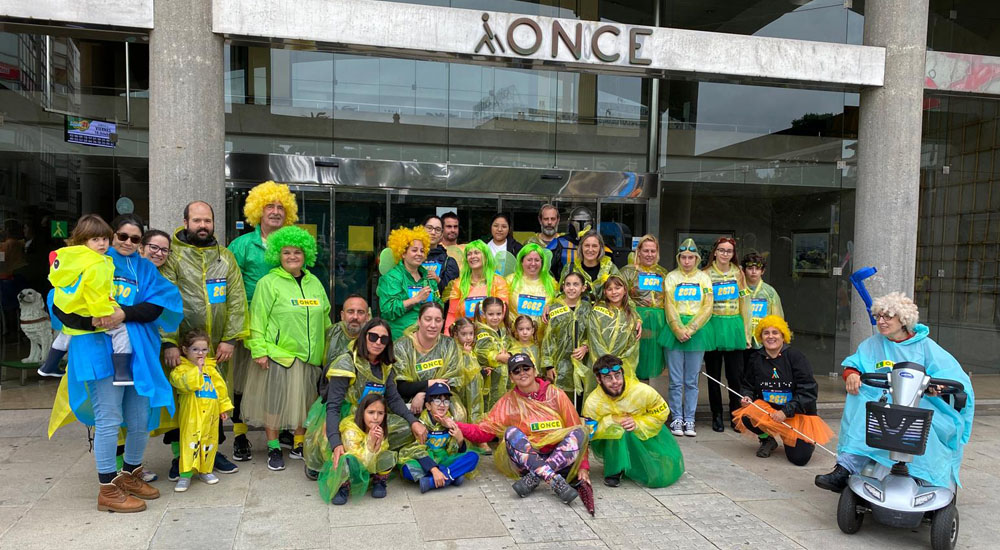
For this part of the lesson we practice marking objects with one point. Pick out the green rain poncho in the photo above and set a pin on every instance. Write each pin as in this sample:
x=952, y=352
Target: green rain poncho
x=648, y=454
x=471, y=395
x=394, y=288
x=596, y=285
x=764, y=301
x=356, y=465
x=489, y=343
x=444, y=360
x=337, y=340
x=646, y=289
x=610, y=330
x=211, y=287
x=567, y=331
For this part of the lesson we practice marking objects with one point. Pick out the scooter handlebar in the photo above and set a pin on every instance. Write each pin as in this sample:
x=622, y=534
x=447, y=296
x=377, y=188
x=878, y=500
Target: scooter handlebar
x=950, y=386
x=876, y=380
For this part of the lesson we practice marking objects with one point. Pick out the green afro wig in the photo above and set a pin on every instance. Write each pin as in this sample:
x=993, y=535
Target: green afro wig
x=290, y=236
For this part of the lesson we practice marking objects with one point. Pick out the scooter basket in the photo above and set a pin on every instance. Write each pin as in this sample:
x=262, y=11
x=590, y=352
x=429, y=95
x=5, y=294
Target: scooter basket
x=897, y=428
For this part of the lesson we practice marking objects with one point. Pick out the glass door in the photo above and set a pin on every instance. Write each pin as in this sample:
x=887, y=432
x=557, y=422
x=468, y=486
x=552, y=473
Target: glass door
x=360, y=230
x=621, y=223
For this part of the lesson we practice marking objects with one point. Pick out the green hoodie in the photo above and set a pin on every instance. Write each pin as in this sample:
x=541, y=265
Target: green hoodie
x=289, y=319
x=249, y=251
x=393, y=288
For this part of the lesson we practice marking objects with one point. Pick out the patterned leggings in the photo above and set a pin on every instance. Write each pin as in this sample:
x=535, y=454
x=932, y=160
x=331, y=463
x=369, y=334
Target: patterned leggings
x=526, y=457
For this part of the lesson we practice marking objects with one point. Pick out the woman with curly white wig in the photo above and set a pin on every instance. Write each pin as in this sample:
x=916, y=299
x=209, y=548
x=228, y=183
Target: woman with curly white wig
x=901, y=338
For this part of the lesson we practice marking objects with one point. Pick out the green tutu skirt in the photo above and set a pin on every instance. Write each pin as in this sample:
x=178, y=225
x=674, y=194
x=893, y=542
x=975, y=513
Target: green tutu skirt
x=650, y=352
x=656, y=462
x=349, y=470
x=726, y=332
x=700, y=340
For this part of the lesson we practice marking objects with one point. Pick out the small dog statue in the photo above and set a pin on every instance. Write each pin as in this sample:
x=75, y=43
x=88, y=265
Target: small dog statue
x=35, y=324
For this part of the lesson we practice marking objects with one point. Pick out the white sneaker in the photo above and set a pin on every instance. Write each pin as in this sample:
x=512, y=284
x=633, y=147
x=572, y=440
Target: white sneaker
x=689, y=429
x=677, y=428
x=209, y=478
x=183, y=484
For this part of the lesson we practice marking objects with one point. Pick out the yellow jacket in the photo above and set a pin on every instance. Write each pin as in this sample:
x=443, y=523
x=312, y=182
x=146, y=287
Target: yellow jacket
x=202, y=396
x=640, y=401
x=83, y=281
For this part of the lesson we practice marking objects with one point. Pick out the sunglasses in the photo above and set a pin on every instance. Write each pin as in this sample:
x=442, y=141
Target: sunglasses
x=156, y=249
x=382, y=338
x=609, y=370
x=521, y=368
x=126, y=237
x=691, y=248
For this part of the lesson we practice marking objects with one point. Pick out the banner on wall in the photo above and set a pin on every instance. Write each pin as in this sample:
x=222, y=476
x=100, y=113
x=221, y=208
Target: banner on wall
x=95, y=133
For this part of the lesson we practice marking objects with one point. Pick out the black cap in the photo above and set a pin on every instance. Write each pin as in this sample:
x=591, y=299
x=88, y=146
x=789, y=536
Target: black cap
x=520, y=359
x=435, y=390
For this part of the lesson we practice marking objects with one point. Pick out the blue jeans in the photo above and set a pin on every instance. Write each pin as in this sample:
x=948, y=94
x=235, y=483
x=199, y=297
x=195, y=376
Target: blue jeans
x=114, y=406
x=854, y=463
x=682, y=397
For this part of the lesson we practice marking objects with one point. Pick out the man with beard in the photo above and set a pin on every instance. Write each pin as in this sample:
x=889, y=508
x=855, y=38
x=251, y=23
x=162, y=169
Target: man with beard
x=563, y=249
x=269, y=207
x=629, y=436
x=211, y=286
x=450, y=238
x=439, y=264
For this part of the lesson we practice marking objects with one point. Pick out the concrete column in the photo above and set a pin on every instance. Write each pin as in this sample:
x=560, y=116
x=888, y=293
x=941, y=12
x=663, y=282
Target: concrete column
x=889, y=135
x=186, y=113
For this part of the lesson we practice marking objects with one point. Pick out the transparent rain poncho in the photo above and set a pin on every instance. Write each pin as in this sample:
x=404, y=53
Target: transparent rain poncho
x=646, y=285
x=567, y=331
x=596, y=285
x=356, y=465
x=489, y=343
x=610, y=330
x=444, y=360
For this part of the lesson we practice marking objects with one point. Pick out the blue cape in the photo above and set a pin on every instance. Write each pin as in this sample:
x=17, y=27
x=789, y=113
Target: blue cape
x=950, y=429
x=90, y=354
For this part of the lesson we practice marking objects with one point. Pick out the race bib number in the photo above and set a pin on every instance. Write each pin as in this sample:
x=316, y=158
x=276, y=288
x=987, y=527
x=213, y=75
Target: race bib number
x=216, y=289
x=438, y=439
x=546, y=426
x=471, y=304
x=433, y=268
x=412, y=291
x=530, y=305
x=207, y=389
x=427, y=365
x=687, y=292
x=777, y=397
x=758, y=308
x=725, y=290
x=372, y=387
x=650, y=281
x=125, y=291
x=305, y=302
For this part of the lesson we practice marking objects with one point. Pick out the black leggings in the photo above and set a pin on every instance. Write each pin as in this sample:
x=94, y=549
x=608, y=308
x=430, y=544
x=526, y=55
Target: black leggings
x=798, y=454
x=734, y=375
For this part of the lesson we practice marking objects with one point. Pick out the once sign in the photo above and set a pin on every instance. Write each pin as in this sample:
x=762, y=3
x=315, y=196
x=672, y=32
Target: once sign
x=525, y=36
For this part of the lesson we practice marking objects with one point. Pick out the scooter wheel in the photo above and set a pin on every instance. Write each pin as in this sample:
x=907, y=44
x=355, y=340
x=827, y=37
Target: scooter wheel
x=944, y=528
x=848, y=517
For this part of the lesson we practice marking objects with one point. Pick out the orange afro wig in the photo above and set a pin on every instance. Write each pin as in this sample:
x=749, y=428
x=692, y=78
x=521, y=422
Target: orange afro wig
x=266, y=193
x=401, y=238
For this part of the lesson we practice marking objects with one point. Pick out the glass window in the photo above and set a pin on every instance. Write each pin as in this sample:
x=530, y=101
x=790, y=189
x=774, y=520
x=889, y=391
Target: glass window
x=819, y=20
x=964, y=26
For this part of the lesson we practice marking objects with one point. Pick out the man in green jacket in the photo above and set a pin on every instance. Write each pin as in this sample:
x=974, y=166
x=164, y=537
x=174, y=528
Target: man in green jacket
x=211, y=286
x=269, y=207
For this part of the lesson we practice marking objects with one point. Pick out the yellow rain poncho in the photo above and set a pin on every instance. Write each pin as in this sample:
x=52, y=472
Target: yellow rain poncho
x=356, y=465
x=471, y=395
x=489, y=343
x=645, y=287
x=648, y=454
x=567, y=331
x=211, y=287
x=688, y=307
x=764, y=301
x=596, y=285
x=730, y=323
x=84, y=282
x=202, y=397
x=529, y=298
x=444, y=360
x=610, y=330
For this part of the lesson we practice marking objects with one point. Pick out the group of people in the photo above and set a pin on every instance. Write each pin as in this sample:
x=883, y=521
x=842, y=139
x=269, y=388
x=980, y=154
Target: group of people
x=175, y=334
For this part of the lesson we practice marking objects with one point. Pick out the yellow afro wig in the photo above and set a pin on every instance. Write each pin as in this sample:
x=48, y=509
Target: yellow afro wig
x=400, y=239
x=773, y=321
x=266, y=193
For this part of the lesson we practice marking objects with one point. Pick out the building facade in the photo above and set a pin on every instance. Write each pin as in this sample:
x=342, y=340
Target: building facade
x=825, y=134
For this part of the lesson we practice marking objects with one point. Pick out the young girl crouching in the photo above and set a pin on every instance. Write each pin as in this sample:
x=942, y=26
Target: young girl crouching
x=202, y=401
x=365, y=438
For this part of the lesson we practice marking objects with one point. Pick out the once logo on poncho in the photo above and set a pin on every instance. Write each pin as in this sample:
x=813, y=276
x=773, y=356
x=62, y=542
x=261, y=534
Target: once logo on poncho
x=305, y=302
x=545, y=426
x=427, y=365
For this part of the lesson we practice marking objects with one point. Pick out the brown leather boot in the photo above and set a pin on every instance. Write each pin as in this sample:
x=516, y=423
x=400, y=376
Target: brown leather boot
x=133, y=484
x=113, y=499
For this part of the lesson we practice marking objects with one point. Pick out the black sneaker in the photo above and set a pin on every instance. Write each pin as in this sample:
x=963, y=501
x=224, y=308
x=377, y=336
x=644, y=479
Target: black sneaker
x=223, y=466
x=341, y=496
x=274, y=460
x=296, y=453
x=286, y=439
x=563, y=489
x=311, y=474
x=528, y=483
x=767, y=446
x=241, y=448
x=834, y=481
x=378, y=485
x=613, y=480
x=174, y=473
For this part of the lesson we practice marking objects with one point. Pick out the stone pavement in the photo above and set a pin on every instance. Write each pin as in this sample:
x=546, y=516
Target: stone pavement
x=728, y=499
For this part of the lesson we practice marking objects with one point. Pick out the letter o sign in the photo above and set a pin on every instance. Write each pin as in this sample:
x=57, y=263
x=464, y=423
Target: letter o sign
x=537, y=30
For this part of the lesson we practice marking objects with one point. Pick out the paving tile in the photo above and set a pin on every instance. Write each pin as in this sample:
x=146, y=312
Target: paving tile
x=725, y=524
x=22, y=484
x=665, y=532
x=9, y=516
x=688, y=484
x=596, y=543
x=540, y=517
x=465, y=518
x=82, y=529
x=626, y=500
x=184, y=528
x=23, y=422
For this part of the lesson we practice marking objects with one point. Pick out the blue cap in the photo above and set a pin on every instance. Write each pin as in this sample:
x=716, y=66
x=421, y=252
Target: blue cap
x=436, y=390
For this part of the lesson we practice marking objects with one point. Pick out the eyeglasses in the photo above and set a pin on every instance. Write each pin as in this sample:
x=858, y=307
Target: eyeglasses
x=431, y=229
x=723, y=251
x=691, y=248
x=886, y=316
x=381, y=338
x=521, y=368
x=157, y=249
x=439, y=399
x=609, y=370
x=126, y=237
